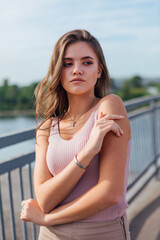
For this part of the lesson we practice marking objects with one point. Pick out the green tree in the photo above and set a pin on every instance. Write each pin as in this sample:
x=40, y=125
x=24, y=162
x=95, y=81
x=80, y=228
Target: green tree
x=125, y=91
x=26, y=97
x=6, y=95
x=132, y=88
x=13, y=97
x=137, y=81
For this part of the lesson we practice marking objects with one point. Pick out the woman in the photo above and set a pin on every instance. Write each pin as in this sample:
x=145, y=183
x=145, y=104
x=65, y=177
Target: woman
x=82, y=147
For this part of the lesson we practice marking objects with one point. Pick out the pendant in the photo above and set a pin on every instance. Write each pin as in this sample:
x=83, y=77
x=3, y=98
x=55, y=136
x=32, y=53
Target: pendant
x=73, y=124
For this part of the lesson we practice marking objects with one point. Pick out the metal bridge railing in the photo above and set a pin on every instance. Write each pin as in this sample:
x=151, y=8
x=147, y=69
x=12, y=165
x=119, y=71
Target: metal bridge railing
x=16, y=174
x=145, y=150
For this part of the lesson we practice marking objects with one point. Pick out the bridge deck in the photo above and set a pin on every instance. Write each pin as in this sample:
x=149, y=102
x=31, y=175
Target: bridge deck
x=144, y=213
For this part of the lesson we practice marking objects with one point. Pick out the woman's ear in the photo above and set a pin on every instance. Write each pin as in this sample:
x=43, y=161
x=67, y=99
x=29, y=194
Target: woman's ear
x=99, y=71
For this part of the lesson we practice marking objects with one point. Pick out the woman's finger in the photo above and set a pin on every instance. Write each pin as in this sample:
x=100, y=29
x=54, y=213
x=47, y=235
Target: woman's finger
x=110, y=125
x=112, y=117
x=122, y=132
x=27, y=201
x=101, y=115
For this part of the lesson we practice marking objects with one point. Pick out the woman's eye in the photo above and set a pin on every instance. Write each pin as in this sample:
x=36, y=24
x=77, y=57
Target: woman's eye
x=87, y=63
x=66, y=64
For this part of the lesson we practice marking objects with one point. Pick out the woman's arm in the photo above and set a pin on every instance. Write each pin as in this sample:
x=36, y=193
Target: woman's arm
x=109, y=188
x=49, y=190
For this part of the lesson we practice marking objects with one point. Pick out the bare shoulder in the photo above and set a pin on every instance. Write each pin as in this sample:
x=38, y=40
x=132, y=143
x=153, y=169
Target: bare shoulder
x=113, y=104
x=44, y=130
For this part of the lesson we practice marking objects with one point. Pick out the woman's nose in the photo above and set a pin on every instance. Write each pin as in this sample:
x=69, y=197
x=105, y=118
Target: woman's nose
x=77, y=70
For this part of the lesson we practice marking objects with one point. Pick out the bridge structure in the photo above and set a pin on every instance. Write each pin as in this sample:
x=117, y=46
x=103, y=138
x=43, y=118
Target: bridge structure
x=16, y=174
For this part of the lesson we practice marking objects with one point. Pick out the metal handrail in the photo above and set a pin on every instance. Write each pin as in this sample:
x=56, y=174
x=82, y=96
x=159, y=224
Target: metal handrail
x=17, y=137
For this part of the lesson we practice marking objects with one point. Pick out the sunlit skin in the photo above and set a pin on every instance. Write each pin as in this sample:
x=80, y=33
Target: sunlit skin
x=80, y=61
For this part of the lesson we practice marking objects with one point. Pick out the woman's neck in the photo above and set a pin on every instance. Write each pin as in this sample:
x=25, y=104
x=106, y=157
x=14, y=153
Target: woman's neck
x=79, y=105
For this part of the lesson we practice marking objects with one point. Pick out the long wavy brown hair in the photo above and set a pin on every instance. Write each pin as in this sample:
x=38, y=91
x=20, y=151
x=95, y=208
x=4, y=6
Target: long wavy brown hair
x=51, y=98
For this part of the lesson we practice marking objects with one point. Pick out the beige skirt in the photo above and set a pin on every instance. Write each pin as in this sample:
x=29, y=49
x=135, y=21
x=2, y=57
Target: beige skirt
x=116, y=229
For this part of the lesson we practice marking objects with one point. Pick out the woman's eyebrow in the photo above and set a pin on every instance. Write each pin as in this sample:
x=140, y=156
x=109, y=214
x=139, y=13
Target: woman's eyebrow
x=67, y=58
x=86, y=57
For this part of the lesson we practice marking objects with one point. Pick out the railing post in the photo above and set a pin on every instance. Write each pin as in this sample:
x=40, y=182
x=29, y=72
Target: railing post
x=11, y=207
x=1, y=216
x=31, y=193
x=22, y=198
x=153, y=106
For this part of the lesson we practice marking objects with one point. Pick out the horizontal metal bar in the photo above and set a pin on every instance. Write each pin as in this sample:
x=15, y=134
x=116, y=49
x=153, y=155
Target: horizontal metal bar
x=17, y=162
x=11, y=139
x=134, y=103
x=140, y=112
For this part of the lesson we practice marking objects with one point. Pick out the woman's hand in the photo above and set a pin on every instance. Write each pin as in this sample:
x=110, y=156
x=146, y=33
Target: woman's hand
x=31, y=212
x=103, y=125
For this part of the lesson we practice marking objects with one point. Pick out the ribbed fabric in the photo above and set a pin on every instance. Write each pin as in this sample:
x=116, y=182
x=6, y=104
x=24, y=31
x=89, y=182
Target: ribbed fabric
x=61, y=152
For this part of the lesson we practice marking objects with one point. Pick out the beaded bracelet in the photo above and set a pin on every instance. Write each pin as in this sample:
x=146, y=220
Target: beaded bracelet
x=78, y=163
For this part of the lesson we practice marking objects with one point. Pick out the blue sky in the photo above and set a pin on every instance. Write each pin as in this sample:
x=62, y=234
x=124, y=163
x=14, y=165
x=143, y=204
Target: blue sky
x=128, y=31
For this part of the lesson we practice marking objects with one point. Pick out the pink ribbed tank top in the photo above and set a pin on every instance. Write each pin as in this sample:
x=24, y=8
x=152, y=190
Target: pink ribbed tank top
x=61, y=152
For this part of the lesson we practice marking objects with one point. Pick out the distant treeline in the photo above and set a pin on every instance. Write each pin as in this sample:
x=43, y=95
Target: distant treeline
x=134, y=87
x=14, y=97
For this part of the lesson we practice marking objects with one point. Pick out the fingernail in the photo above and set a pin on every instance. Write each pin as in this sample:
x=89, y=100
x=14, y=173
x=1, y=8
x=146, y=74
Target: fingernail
x=122, y=116
x=101, y=114
x=122, y=132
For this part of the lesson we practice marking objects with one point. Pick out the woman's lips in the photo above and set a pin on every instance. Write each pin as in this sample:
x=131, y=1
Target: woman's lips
x=77, y=80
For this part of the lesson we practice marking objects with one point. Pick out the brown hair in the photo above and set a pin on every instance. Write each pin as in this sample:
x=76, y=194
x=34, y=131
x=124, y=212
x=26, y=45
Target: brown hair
x=51, y=98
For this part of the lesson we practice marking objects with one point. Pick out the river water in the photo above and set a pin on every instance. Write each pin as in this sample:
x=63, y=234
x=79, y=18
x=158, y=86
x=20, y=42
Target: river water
x=8, y=125
x=11, y=125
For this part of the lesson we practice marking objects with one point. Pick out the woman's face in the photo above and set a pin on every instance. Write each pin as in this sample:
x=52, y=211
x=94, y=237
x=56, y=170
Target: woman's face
x=80, y=69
